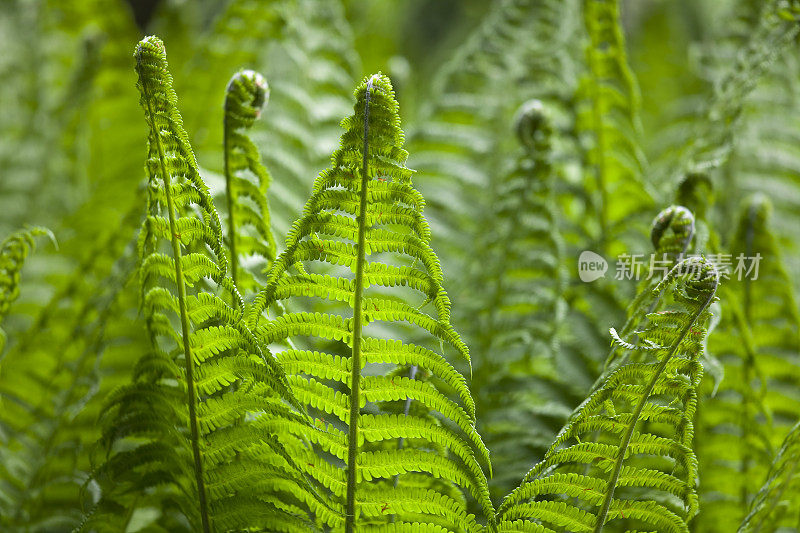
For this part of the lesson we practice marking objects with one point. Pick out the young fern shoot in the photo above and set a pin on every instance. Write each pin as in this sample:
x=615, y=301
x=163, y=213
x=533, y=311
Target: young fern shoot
x=671, y=234
x=362, y=211
x=626, y=452
x=247, y=93
x=188, y=434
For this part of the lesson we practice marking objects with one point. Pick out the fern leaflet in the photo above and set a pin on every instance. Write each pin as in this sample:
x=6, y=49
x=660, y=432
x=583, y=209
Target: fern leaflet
x=777, y=505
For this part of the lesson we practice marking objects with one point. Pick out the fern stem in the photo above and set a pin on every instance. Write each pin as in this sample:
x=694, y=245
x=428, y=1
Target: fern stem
x=355, y=392
x=626, y=438
x=229, y=191
x=187, y=352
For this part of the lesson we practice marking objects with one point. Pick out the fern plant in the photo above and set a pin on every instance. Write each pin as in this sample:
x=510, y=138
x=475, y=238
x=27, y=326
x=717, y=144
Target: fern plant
x=207, y=376
x=601, y=468
x=181, y=431
x=384, y=467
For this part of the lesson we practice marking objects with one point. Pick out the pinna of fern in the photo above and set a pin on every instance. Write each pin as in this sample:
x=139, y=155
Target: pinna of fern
x=777, y=505
x=247, y=93
x=187, y=436
x=625, y=455
x=13, y=252
x=391, y=460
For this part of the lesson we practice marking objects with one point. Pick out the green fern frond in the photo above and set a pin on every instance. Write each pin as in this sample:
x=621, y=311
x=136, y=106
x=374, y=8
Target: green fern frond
x=770, y=310
x=246, y=95
x=520, y=319
x=363, y=211
x=777, y=505
x=710, y=143
x=611, y=117
x=626, y=454
x=185, y=422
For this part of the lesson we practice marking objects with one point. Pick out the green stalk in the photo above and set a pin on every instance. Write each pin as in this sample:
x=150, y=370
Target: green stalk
x=626, y=438
x=355, y=376
x=229, y=191
x=187, y=352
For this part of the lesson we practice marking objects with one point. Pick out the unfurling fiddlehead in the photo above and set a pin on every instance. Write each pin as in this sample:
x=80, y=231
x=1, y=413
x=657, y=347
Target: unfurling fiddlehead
x=188, y=435
x=671, y=234
x=626, y=452
x=246, y=95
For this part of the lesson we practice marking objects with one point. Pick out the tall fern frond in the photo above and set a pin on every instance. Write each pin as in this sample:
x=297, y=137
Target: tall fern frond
x=246, y=95
x=385, y=455
x=518, y=323
x=770, y=310
x=777, y=505
x=188, y=434
x=610, y=116
x=710, y=143
x=626, y=452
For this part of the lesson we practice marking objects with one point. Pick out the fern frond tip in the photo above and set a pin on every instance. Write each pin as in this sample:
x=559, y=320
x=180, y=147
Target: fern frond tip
x=245, y=96
x=672, y=230
x=149, y=48
x=531, y=123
